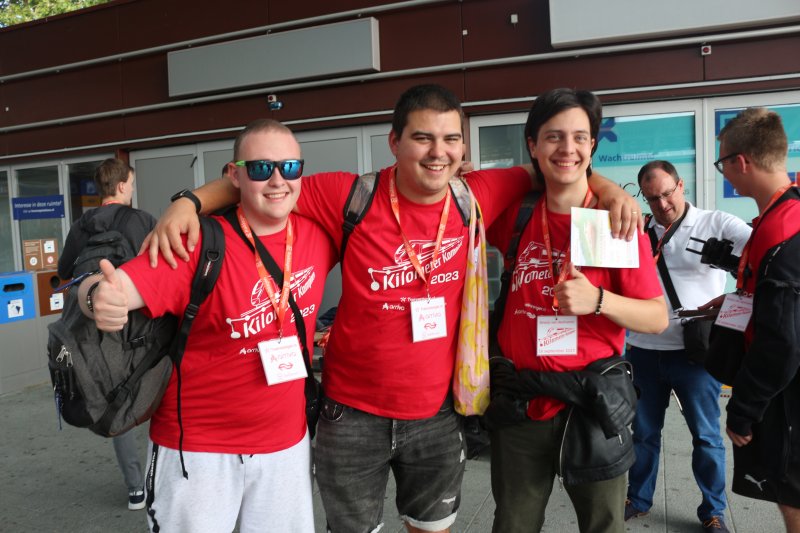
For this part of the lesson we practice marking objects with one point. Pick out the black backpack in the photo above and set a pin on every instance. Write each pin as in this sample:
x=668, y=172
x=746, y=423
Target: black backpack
x=110, y=244
x=111, y=382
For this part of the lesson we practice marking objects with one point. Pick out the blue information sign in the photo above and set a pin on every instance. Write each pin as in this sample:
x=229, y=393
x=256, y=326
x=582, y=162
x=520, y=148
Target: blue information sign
x=32, y=207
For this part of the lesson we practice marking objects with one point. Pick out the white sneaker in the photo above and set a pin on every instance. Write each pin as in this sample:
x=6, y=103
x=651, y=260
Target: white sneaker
x=136, y=499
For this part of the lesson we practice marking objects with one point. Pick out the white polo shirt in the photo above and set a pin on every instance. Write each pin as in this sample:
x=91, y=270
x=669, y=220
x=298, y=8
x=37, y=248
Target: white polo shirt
x=695, y=283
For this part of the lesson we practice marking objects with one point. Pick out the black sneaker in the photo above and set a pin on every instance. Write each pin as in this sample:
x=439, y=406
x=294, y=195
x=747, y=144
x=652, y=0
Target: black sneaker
x=715, y=524
x=633, y=512
x=135, y=499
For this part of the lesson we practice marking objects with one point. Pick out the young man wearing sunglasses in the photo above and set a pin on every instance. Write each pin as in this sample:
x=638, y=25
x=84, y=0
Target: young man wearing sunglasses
x=243, y=440
x=388, y=403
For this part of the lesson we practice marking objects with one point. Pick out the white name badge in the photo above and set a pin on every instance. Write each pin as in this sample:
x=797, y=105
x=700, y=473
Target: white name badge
x=556, y=335
x=282, y=360
x=735, y=312
x=428, y=320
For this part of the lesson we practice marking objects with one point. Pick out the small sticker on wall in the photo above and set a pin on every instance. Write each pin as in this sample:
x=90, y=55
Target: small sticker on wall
x=16, y=308
x=57, y=301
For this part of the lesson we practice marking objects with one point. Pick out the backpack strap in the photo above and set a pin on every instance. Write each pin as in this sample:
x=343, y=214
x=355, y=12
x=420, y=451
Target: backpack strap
x=212, y=251
x=509, y=262
x=209, y=265
x=362, y=192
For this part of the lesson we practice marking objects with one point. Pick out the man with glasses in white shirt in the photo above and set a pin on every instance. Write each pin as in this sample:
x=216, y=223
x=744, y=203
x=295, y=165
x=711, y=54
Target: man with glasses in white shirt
x=662, y=363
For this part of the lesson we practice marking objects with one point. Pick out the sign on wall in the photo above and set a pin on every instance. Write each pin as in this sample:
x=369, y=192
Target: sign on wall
x=34, y=207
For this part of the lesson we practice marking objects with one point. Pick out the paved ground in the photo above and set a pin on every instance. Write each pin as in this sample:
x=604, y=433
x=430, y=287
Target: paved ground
x=67, y=481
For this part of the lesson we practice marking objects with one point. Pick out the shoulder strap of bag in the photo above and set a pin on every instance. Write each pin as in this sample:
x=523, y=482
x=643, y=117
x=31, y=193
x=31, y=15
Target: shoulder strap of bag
x=510, y=259
x=205, y=277
x=661, y=263
x=212, y=252
x=277, y=275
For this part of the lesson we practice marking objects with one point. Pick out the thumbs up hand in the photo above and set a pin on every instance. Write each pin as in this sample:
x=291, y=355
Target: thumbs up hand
x=576, y=296
x=109, y=300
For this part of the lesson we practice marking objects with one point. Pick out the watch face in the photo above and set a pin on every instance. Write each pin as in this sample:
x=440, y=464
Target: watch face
x=179, y=194
x=186, y=193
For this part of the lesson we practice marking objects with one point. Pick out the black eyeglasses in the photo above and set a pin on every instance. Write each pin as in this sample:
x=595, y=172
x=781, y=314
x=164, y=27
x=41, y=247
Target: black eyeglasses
x=662, y=196
x=718, y=163
x=262, y=169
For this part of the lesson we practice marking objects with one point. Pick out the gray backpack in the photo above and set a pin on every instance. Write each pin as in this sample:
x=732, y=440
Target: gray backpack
x=111, y=382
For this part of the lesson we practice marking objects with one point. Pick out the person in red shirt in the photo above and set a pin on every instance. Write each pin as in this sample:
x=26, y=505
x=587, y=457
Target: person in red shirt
x=591, y=307
x=763, y=411
x=388, y=404
x=245, y=441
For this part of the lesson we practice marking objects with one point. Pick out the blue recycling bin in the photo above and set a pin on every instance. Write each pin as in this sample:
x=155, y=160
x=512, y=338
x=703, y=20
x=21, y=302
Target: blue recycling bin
x=16, y=297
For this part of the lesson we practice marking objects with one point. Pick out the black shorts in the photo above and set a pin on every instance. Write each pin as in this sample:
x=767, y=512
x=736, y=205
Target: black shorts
x=768, y=467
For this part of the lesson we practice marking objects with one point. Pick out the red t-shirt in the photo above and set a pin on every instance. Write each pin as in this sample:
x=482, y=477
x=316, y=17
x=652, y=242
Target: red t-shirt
x=371, y=361
x=531, y=294
x=781, y=222
x=226, y=404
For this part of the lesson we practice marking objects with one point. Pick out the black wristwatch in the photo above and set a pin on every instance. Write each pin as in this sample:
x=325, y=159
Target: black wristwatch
x=186, y=193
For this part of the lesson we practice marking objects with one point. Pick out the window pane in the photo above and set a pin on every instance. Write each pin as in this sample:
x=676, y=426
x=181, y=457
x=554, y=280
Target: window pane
x=82, y=193
x=42, y=181
x=213, y=162
x=625, y=144
x=6, y=248
x=503, y=146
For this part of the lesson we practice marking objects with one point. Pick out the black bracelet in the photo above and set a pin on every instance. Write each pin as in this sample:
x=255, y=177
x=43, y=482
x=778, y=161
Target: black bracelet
x=599, y=300
x=89, y=294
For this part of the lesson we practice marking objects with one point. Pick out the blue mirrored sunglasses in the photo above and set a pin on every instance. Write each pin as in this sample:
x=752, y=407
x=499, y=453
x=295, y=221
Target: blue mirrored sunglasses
x=262, y=169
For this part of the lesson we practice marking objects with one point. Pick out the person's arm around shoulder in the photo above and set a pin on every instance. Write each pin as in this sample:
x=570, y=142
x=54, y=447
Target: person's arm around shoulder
x=622, y=207
x=626, y=217
x=578, y=296
x=182, y=217
x=107, y=297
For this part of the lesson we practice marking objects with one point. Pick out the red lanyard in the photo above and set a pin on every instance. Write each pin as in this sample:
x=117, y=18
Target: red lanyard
x=660, y=244
x=566, y=266
x=269, y=284
x=111, y=202
x=412, y=255
x=743, y=261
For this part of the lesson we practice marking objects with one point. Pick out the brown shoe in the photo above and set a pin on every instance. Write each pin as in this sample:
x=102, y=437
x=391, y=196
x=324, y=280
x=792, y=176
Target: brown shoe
x=633, y=512
x=715, y=524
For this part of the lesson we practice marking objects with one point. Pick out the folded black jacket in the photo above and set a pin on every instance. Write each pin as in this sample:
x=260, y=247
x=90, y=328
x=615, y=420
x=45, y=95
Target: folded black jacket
x=596, y=444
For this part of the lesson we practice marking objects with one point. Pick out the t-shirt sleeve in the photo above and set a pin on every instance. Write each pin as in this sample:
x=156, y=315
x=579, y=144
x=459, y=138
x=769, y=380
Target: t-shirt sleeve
x=497, y=189
x=163, y=289
x=322, y=199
